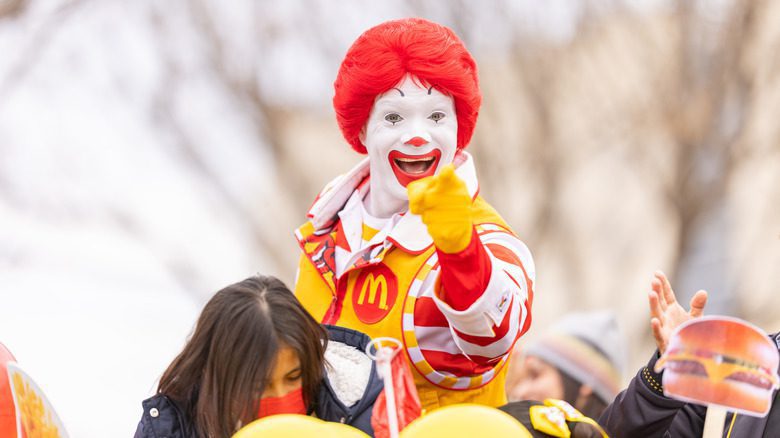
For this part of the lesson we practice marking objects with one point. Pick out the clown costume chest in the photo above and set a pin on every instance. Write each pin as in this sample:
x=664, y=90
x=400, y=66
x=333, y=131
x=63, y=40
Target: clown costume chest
x=384, y=283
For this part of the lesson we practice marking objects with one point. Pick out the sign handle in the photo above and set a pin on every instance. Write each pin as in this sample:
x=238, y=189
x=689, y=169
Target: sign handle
x=714, y=422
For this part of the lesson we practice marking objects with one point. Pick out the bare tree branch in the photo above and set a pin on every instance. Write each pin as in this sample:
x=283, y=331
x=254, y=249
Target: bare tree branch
x=37, y=44
x=262, y=236
x=10, y=9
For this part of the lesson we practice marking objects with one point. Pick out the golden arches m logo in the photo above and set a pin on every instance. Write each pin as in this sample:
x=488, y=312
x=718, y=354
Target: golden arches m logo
x=374, y=284
x=374, y=293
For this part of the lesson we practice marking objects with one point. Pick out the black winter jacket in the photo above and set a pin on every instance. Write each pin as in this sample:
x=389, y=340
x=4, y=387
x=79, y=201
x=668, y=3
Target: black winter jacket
x=642, y=410
x=329, y=407
x=162, y=418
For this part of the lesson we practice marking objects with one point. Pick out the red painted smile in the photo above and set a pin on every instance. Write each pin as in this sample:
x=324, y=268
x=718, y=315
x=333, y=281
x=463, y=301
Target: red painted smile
x=408, y=168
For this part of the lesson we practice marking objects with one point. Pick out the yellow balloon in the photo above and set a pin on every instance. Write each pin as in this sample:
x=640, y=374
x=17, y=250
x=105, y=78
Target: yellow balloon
x=345, y=431
x=286, y=426
x=465, y=420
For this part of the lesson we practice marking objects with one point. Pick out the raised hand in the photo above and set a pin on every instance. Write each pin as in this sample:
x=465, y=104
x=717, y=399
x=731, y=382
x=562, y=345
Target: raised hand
x=666, y=314
x=444, y=203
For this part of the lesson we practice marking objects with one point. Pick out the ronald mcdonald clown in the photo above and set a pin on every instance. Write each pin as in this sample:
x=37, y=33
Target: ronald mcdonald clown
x=402, y=245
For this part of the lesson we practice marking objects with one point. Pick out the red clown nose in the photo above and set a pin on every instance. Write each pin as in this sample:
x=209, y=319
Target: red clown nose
x=417, y=141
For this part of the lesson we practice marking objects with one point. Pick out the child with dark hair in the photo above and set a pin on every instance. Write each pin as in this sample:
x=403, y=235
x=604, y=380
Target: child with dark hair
x=256, y=352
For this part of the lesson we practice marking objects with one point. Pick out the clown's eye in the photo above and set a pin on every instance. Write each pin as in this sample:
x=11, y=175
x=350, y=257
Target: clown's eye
x=436, y=116
x=393, y=118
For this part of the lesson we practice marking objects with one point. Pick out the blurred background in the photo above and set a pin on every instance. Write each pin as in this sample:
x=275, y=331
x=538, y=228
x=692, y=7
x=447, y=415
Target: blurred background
x=154, y=152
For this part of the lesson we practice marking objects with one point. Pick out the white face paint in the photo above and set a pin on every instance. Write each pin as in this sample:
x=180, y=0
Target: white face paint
x=411, y=133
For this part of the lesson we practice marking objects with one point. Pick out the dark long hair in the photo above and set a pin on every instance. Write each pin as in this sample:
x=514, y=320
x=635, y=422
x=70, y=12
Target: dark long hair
x=218, y=378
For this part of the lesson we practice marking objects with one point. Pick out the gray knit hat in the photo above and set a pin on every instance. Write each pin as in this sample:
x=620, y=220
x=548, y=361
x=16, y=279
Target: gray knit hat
x=589, y=347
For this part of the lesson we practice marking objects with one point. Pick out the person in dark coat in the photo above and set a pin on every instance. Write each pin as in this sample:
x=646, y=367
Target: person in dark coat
x=256, y=352
x=643, y=410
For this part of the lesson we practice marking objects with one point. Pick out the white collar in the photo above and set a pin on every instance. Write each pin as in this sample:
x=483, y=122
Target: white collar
x=410, y=232
x=352, y=217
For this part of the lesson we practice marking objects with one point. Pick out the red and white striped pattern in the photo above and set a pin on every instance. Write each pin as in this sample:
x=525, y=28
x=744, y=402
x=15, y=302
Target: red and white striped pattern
x=466, y=349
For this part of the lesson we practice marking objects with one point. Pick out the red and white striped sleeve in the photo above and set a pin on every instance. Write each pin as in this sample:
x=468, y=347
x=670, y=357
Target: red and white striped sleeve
x=486, y=297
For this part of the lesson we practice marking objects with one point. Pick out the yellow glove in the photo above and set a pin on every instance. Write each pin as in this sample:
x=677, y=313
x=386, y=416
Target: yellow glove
x=444, y=203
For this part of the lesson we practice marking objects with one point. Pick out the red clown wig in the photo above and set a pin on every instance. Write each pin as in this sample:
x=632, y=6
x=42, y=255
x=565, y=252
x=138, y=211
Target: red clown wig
x=380, y=58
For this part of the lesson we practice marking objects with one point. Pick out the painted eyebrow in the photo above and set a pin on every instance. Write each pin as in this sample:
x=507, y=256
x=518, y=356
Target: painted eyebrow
x=429, y=90
x=402, y=93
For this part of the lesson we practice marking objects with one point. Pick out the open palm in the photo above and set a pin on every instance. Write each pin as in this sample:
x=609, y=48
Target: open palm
x=666, y=314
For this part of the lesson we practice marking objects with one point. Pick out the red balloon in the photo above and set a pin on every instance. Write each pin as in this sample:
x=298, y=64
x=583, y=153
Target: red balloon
x=7, y=407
